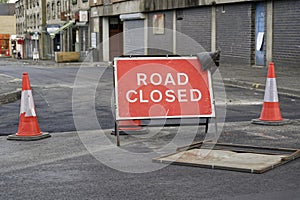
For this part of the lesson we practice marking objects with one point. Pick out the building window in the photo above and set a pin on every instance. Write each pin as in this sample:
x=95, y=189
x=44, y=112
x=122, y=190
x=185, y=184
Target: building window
x=74, y=2
x=58, y=9
x=34, y=22
x=53, y=10
x=48, y=13
x=66, y=6
x=37, y=21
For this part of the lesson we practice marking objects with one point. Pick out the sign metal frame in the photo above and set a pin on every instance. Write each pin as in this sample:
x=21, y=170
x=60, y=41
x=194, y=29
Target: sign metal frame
x=117, y=116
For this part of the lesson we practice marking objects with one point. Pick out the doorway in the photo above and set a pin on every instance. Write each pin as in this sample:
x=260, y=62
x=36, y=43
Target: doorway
x=115, y=37
x=260, y=34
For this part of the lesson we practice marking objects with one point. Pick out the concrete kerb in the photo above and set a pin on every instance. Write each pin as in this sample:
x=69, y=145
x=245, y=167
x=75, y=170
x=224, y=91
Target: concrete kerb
x=52, y=63
x=260, y=87
x=10, y=89
x=66, y=64
x=10, y=97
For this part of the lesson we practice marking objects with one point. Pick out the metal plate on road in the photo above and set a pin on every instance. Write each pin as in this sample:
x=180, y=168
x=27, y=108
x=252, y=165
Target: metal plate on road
x=231, y=157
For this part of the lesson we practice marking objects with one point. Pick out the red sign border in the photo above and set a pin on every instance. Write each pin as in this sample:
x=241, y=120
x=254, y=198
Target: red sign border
x=159, y=117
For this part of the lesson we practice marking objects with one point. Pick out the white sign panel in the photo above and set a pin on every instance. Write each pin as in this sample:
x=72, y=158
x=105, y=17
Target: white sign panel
x=260, y=40
x=83, y=16
x=93, y=40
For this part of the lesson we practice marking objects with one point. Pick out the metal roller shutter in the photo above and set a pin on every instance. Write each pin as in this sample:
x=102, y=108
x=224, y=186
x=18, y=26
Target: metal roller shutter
x=286, y=33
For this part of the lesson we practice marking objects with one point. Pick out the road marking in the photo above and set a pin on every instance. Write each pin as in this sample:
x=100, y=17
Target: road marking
x=264, y=135
x=236, y=102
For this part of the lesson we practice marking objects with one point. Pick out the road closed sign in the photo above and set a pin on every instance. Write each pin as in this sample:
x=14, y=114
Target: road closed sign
x=173, y=87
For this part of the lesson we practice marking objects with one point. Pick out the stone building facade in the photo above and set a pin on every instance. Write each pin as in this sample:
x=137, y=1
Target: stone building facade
x=8, y=28
x=247, y=32
x=58, y=28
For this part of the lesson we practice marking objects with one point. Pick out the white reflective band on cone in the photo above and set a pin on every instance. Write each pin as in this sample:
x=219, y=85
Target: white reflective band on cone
x=271, y=91
x=27, y=104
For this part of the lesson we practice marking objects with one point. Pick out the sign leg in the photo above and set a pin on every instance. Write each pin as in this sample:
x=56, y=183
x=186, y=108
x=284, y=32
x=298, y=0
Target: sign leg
x=206, y=124
x=117, y=132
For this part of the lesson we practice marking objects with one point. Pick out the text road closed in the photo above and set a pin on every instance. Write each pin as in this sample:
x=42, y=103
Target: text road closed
x=162, y=87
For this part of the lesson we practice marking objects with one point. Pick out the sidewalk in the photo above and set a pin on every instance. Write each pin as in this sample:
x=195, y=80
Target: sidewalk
x=255, y=78
x=234, y=75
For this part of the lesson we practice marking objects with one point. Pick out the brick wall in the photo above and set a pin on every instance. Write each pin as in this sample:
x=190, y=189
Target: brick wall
x=286, y=34
x=194, y=30
x=235, y=32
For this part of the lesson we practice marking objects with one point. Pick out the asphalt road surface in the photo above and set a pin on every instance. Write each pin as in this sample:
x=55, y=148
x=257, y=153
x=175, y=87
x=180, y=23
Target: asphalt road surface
x=52, y=89
x=60, y=167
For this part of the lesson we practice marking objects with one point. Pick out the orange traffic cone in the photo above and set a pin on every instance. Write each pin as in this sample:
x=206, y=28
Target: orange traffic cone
x=28, y=125
x=129, y=126
x=271, y=114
